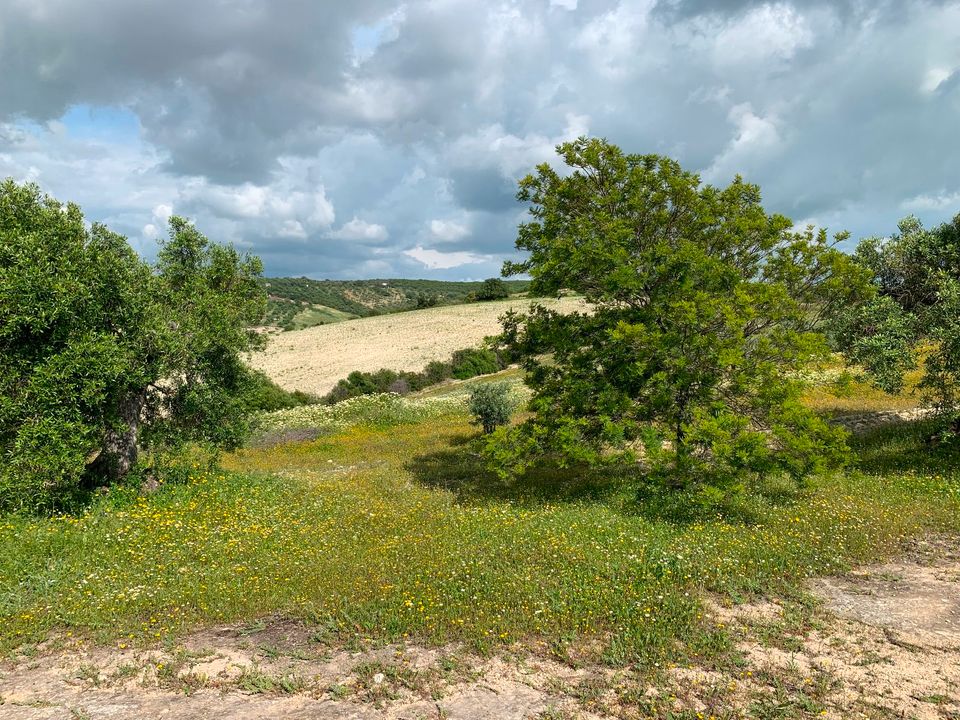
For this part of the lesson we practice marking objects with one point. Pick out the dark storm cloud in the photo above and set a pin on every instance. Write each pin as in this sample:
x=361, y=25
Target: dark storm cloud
x=376, y=137
x=483, y=189
x=224, y=87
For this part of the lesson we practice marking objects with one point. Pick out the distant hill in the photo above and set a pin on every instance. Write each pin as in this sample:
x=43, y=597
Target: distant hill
x=313, y=360
x=297, y=303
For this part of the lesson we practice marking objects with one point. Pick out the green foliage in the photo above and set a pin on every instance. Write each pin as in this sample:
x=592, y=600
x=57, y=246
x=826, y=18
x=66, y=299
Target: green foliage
x=427, y=300
x=879, y=337
x=471, y=362
x=703, y=308
x=917, y=278
x=101, y=354
x=463, y=365
x=493, y=289
x=491, y=405
x=265, y=395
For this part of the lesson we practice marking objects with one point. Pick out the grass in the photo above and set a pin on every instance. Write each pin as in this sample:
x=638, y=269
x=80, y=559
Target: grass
x=387, y=527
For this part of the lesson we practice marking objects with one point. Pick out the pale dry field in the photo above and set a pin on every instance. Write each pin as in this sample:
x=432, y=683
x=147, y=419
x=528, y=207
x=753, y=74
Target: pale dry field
x=313, y=360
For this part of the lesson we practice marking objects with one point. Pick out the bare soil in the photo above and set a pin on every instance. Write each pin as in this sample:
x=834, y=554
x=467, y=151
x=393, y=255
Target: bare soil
x=314, y=359
x=880, y=642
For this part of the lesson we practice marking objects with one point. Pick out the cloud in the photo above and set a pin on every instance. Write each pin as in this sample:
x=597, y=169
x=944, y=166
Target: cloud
x=436, y=260
x=357, y=229
x=756, y=139
x=304, y=131
x=763, y=34
x=940, y=201
x=447, y=230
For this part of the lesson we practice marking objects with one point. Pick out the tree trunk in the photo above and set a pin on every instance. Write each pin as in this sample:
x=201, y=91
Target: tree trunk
x=120, y=447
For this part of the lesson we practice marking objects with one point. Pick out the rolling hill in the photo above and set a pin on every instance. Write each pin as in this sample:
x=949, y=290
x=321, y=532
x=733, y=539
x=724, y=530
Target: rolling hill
x=297, y=303
x=314, y=359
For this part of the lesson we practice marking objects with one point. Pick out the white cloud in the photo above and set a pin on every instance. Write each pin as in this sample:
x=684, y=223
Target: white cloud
x=934, y=77
x=292, y=229
x=448, y=230
x=513, y=154
x=357, y=229
x=436, y=260
x=162, y=213
x=940, y=201
x=756, y=138
x=611, y=40
x=770, y=31
x=273, y=203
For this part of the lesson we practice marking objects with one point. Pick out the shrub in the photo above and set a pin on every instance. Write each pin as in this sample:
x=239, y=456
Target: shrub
x=464, y=365
x=469, y=363
x=436, y=372
x=493, y=289
x=916, y=275
x=400, y=386
x=491, y=405
x=265, y=395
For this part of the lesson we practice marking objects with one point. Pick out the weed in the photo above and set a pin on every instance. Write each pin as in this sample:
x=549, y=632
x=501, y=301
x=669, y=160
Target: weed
x=255, y=681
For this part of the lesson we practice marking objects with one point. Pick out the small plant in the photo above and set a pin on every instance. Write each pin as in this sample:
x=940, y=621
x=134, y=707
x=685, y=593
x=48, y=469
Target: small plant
x=491, y=405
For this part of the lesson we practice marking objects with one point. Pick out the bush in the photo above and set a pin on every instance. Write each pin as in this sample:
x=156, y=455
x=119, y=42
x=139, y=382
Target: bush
x=464, y=365
x=427, y=300
x=265, y=395
x=493, y=289
x=491, y=405
x=470, y=363
x=436, y=372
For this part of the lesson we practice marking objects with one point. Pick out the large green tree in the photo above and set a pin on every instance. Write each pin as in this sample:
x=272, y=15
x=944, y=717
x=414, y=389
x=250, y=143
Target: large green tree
x=915, y=312
x=703, y=309
x=103, y=354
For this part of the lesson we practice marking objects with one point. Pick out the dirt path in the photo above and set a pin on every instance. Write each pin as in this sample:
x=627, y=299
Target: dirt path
x=883, y=642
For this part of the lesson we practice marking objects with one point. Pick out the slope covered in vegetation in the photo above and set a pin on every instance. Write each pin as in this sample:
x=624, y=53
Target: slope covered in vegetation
x=296, y=303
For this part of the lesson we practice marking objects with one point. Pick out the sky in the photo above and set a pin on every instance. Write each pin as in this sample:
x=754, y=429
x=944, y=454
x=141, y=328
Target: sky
x=376, y=138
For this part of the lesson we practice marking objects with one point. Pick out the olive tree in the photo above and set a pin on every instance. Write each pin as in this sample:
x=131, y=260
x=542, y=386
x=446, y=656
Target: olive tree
x=103, y=354
x=702, y=310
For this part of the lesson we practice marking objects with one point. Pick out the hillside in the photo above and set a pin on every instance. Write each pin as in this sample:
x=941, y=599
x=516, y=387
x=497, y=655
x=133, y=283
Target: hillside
x=314, y=359
x=297, y=303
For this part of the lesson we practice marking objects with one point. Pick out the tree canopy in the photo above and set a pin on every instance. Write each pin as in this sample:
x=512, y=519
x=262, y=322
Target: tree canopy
x=102, y=354
x=916, y=309
x=703, y=309
x=493, y=289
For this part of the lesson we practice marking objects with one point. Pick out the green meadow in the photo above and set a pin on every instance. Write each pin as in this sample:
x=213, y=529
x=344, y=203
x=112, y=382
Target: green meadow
x=384, y=525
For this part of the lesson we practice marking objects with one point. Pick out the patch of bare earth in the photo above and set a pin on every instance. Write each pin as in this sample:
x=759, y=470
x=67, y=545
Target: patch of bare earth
x=277, y=670
x=314, y=359
x=881, y=642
